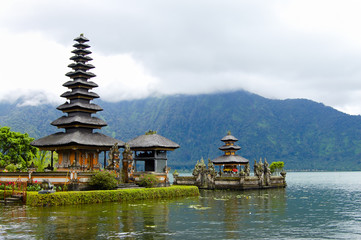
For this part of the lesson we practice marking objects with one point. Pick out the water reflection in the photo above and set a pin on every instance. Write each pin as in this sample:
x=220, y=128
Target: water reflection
x=312, y=206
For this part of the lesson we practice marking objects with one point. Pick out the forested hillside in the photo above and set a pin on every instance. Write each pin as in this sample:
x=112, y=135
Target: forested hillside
x=304, y=134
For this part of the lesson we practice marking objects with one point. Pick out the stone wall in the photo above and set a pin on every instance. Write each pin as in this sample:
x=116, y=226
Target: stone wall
x=236, y=183
x=73, y=179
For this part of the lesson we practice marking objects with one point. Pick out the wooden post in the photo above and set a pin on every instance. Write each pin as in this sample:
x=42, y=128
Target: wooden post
x=105, y=159
x=52, y=160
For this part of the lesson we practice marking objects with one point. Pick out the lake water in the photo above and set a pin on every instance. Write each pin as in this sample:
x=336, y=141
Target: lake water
x=315, y=205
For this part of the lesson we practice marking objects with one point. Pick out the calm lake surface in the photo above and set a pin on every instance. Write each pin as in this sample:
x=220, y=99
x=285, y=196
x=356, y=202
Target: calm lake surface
x=315, y=205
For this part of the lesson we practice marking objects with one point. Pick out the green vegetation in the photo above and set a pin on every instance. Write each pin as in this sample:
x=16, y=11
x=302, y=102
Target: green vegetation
x=7, y=193
x=42, y=159
x=73, y=198
x=148, y=180
x=11, y=168
x=34, y=187
x=103, y=180
x=15, y=149
x=7, y=186
x=277, y=167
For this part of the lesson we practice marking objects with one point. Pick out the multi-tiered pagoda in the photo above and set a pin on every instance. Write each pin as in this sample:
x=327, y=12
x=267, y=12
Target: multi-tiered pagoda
x=78, y=147
x=230, y=160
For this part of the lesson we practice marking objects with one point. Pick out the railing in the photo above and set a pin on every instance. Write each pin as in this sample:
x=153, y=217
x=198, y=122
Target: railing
x=22, y=188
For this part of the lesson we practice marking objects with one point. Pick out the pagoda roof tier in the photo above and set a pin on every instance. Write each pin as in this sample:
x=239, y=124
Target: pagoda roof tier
x=78, y=94
x=81, y=39
x=229, y=138
x=80, y=58
x=80, y=74
x=90, y=107
x=81, y=51
x=230, y=147
x=81, y=45
x=152, y=141
x=230, y=159
x=62, y=139
x=80, y=83
x=91, y=122
x=80, y=66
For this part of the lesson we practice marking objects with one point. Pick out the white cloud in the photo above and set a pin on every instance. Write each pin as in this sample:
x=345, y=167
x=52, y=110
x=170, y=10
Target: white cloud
x=120, y=77
x=278, y=49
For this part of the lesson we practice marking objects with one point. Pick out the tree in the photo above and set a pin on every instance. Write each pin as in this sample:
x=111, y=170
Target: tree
x=42, y=159
x=277, y=167
x=15, y=148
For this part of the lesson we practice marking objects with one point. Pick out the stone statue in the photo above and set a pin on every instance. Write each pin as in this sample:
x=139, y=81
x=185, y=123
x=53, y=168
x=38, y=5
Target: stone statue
x=255, y=166
x=259, y=171
x=47, y=187
x=127, y=153
x=267, y=173
x=211, y=169
x=128, y=168
x=247, y=170
x=175, y=176
x=196, y=169
x=200, y=173
x=113, y=157
x=202, y=165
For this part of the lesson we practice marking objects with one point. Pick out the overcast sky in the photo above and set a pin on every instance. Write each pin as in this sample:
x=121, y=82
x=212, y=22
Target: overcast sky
x=277, y=49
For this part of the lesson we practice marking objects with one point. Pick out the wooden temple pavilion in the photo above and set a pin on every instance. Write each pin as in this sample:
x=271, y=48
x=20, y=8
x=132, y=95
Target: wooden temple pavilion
x=78, y=147
x=150, y=155
x=230, y=161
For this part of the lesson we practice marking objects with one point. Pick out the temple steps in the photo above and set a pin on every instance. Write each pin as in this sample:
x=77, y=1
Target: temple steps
x=14, y=199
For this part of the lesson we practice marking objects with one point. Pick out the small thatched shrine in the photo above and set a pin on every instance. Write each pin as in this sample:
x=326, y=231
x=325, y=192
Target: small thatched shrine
x=150, y=155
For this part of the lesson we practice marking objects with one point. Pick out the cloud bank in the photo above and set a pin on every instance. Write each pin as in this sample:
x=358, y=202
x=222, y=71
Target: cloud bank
x=278, y=49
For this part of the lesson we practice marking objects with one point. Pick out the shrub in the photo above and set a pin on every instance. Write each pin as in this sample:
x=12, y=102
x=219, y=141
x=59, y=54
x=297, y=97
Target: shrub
x=277, y=167
x=103, y=181
x=8, y=186
x=11, y=168
x=148, y=180
x=33, y=187
x=74, y=198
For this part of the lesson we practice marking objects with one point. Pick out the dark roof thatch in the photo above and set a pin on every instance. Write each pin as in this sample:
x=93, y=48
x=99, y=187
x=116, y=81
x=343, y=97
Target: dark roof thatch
x=81, y=66
x=80, y=82
x=80, y=58
x=81, y=45
x=229, y=137
x=65, y=120
x=80, y=51
x=77, y=138
x=78, y=92
x=79, y=105
x=80, y=74
x=81, y=39
x=230, y=147
x=230, y=159
x=152, y=141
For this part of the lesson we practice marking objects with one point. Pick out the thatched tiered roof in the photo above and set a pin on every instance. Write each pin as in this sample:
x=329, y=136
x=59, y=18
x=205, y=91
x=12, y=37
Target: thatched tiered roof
x=229, y=149
x=78, y=121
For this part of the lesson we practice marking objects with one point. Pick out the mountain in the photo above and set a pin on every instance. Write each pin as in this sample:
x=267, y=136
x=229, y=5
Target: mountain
x=304, y=134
